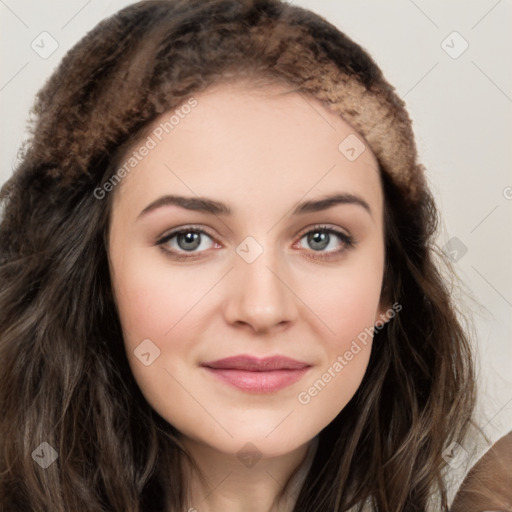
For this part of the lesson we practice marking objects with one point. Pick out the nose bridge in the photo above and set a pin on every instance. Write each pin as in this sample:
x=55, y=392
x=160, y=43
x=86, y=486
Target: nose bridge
x=258, y=295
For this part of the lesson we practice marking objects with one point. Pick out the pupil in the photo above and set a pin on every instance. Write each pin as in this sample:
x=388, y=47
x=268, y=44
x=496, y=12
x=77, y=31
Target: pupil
x=318, y=240
x=192, y=239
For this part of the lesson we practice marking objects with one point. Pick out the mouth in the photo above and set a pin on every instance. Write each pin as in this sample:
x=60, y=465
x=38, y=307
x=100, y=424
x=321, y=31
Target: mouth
x=258, y=375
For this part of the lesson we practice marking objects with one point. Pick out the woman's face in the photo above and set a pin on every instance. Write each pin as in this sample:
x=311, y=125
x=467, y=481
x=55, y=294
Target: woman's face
x=246, y=177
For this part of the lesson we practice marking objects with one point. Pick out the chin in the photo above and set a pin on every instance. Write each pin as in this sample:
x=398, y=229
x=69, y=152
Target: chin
x=252, y=442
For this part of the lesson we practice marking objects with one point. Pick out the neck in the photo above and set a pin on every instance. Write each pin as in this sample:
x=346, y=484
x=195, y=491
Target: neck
x=228, y=483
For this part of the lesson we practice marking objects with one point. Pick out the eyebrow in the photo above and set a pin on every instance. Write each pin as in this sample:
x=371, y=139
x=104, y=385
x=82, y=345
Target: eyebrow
x=206, y=205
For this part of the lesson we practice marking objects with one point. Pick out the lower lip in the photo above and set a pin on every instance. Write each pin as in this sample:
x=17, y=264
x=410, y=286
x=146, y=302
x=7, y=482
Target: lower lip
x=259, y=382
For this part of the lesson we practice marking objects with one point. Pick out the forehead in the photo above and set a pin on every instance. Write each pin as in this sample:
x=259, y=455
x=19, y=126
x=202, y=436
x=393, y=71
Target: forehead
x=264, y=143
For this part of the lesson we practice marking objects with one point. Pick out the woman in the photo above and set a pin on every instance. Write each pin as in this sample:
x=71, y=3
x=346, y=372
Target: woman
x=219, y=282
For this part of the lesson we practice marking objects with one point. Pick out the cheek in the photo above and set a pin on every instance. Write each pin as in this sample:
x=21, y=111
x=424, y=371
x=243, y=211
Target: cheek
x=152, y=301
x=326, y=394
x=349, y=311
x=348, y=306
x=156, y=305
x=347, y=301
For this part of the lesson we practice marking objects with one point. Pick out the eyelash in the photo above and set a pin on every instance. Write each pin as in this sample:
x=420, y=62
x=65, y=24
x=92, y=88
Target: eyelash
x=347, y=241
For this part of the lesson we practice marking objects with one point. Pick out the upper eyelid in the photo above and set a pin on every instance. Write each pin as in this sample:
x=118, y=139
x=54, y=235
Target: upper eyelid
x=327, y=227
x=176, y=231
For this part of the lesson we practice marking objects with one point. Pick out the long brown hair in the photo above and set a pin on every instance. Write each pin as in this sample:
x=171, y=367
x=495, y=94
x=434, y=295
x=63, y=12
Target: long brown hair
x=64, y=375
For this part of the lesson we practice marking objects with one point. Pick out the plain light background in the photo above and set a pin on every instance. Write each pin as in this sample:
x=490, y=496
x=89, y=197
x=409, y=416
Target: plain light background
x=460, y=100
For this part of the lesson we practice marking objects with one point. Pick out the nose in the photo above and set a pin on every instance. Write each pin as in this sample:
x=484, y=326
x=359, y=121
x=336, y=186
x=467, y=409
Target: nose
x=259, y=296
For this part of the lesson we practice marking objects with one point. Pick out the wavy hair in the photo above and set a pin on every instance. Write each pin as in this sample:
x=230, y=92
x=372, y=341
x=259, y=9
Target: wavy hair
x=64, y=374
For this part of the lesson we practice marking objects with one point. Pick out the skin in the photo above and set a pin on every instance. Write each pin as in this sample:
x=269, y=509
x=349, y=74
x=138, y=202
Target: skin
x=260, y=152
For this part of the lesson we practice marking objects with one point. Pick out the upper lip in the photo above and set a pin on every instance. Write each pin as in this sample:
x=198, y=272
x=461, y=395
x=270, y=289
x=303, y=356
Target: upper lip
x=255, y=364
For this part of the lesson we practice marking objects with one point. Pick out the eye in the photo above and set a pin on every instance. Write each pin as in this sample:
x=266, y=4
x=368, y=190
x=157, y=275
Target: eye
x=326, y=240
x=186, y=240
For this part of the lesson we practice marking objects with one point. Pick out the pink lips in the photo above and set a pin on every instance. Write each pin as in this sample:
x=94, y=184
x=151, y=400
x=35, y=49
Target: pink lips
x=256, y=375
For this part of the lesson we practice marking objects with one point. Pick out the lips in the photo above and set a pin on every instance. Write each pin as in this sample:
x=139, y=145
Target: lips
x=257, y=375
x=254, y=364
